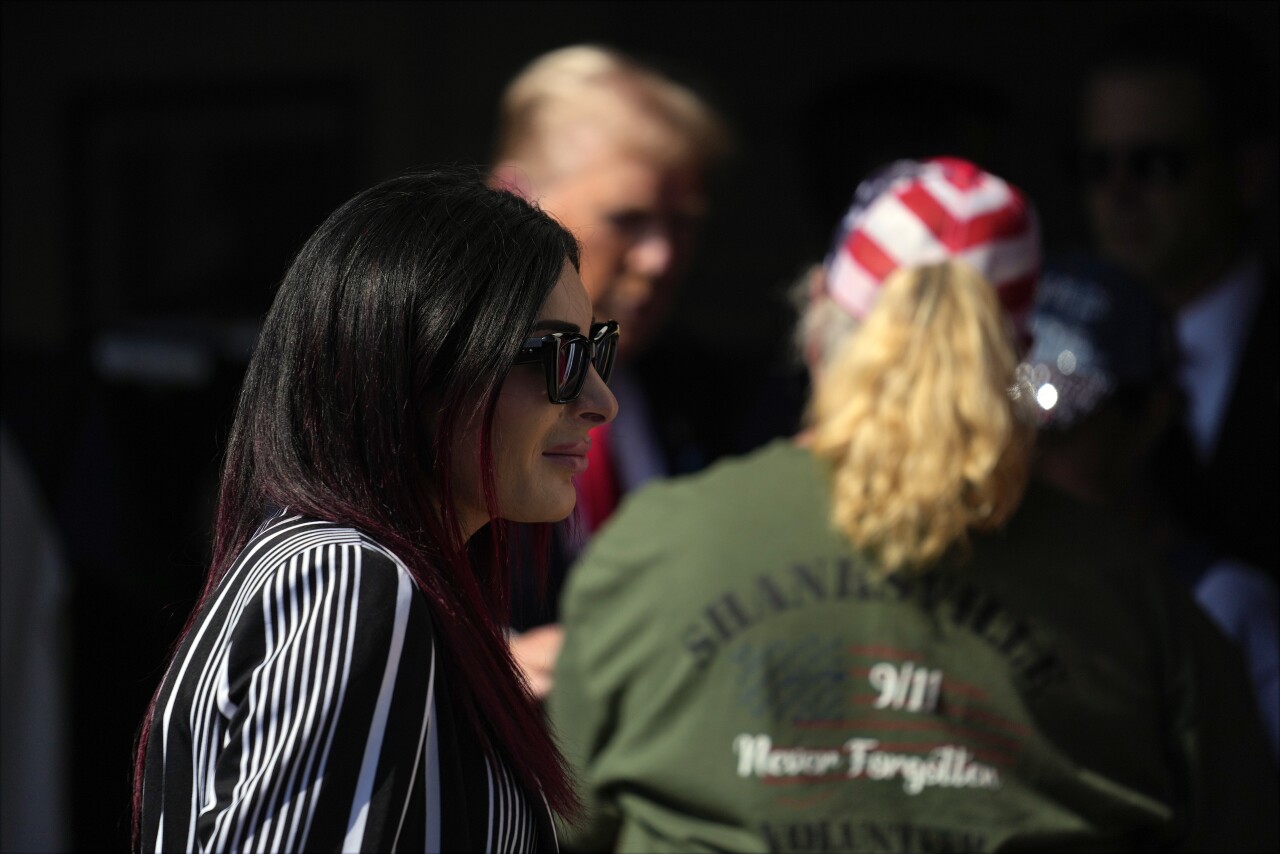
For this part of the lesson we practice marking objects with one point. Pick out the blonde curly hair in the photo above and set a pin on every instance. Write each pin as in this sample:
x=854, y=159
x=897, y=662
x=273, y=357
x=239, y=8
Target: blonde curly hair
x=913, y=412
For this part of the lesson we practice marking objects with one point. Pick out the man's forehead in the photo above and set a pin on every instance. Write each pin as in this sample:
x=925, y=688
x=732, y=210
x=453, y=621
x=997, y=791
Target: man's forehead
x=1146, y=102
x=590, y=140
x=619, y=178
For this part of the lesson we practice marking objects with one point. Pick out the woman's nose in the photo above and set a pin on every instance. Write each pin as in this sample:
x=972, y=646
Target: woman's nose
x=596, y=403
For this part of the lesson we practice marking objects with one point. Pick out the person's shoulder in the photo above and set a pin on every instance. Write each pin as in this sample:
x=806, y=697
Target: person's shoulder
x=694, y=518
x=735, y=481
x=320, y=563
x=1049, y=515
x=1075, y=551
x=288, y=540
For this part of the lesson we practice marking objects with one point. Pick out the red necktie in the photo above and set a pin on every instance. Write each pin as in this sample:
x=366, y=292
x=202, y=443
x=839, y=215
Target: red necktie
x=598, y=490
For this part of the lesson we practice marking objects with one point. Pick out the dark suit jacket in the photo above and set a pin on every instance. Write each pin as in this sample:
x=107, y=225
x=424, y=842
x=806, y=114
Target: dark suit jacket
x=1233, y=502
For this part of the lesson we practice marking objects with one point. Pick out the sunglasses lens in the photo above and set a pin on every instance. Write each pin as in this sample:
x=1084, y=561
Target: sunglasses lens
x=1157, y=165
x=1149, y=165
x=567, y=358
x=571, y=368
x=606, y=351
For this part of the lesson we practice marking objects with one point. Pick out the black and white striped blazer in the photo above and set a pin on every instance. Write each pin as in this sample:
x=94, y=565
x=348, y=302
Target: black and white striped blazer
x=308, y=709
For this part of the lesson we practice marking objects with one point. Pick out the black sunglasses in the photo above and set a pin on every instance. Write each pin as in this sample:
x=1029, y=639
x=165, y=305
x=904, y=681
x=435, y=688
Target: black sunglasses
x=1152, y=165
x=565, y=357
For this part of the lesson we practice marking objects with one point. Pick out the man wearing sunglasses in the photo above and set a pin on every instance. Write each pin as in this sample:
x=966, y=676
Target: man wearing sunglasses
x=619, y=154
x=1176, y=165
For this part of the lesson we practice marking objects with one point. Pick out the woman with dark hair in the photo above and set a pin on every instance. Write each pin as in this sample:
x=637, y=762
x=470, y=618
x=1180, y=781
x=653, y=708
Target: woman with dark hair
x=427, y=375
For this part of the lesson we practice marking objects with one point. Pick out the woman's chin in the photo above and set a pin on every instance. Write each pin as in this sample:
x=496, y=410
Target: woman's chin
x=550, y=512
x=565, y=510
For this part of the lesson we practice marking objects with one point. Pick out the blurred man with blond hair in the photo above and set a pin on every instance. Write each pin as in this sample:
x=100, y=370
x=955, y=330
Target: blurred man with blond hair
x=620, y=154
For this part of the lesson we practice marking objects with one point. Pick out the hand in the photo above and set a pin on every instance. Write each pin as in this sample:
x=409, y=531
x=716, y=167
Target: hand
x=536, y=651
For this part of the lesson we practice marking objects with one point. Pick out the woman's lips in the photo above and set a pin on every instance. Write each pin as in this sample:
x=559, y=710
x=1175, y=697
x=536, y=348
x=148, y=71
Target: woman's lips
x=572, y=457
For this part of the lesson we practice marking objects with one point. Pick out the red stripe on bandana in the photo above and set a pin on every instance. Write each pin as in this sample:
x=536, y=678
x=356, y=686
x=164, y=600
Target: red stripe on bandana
x=960, y=234
x=870, y=255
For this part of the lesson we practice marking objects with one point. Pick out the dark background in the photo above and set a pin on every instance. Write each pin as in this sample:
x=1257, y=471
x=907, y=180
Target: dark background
x=162, y=162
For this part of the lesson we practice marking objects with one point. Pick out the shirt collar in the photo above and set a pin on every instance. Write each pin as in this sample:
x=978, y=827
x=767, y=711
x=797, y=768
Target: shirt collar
x=1216, y=324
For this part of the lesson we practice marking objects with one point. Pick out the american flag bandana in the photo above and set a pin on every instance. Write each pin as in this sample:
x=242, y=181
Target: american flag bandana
x=915, y=212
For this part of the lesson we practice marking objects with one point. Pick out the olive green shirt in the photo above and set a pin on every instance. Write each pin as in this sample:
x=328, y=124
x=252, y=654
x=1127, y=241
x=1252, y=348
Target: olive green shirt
x=735, y=676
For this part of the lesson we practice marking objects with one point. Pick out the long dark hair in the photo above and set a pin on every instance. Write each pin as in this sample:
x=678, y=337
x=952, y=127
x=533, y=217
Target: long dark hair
x=393, y=330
